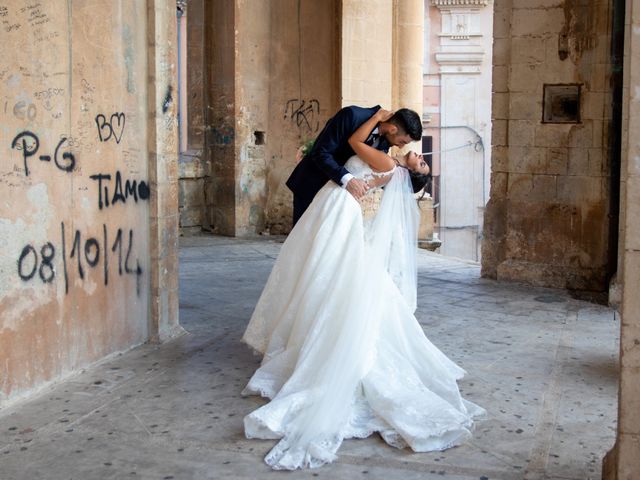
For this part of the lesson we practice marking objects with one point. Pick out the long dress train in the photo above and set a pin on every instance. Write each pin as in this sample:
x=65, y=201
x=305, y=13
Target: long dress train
x=344, y=355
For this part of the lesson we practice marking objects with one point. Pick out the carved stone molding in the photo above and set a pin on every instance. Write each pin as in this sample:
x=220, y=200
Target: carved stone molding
x=456, y=62
x=459, y=3
x=460, y=58
x=461, y=35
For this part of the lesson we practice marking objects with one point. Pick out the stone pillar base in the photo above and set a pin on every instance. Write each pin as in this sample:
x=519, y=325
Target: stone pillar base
x=609, y=462
x=431, y=244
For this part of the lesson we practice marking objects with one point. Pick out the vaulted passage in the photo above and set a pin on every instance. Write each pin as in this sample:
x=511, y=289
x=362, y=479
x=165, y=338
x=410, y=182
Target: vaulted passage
x=128, y=123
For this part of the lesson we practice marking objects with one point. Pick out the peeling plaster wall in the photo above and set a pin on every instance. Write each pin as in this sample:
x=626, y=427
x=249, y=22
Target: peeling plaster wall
x=304, y=92
x=251, y=115
x=74, y=235
x=220, y=128
x=276, y=72
x=547, y=219
x=195, y=63
x=272, y=84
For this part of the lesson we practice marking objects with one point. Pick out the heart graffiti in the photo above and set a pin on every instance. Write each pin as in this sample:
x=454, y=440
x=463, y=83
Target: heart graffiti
x=114, y=127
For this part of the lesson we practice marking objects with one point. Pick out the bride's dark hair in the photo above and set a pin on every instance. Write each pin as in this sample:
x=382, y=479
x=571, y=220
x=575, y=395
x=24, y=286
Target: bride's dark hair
x=418, y=180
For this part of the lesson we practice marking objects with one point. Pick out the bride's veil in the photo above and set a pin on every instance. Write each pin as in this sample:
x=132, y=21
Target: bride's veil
x=394, y=233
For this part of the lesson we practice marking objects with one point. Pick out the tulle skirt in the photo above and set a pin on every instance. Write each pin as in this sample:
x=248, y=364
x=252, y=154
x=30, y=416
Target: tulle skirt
x=344, y=355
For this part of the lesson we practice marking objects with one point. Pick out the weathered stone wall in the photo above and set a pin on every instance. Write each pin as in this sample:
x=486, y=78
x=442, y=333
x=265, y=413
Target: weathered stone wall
x=194, y=178
x=253, y=61
x=623, y=462
x=162, y=145
x=273, y=78
x=74, y=235
x=221, y=104
x=367, y=52
x=547, y=219
x=304, y=93
x=194, y=169
x=196, y=61
x=270, y=89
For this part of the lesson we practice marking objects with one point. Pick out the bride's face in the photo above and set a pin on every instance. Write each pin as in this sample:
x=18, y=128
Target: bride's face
x=416, y=163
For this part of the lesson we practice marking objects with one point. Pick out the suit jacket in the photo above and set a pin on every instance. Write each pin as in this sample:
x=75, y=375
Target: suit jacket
x=330, y=152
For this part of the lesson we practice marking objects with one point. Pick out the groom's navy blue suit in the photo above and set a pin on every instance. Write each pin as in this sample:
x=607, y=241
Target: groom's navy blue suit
x=326, y=160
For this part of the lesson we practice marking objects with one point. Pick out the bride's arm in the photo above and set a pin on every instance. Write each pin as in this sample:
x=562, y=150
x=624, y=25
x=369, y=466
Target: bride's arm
x=376, y=159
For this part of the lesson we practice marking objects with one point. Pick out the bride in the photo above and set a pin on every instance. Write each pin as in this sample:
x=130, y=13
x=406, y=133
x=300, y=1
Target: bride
x=344, y=356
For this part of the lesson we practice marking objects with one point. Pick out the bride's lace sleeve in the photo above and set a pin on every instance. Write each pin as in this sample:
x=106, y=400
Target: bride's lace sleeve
x=371, y=201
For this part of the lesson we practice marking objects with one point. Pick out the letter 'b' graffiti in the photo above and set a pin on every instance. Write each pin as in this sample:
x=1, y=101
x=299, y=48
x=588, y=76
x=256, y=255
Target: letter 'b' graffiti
x=112, y=128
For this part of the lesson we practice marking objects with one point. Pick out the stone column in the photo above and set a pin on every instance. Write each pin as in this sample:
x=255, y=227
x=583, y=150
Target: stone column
x=408, y=47
x=367, y=74
x=163, y=169
x=623, y=461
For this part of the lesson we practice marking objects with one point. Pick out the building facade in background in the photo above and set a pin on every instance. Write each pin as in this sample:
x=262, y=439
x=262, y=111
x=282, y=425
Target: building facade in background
x=457, y=112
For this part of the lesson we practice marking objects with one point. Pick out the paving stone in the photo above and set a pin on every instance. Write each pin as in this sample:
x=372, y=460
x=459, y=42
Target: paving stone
x=544, y=365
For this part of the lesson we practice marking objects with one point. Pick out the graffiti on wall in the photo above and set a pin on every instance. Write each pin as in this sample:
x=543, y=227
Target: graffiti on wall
x=112, y=128
x=48, y=98
x=304, y=114
x=21, y=110
x=168, y=99
x=38, y=94
x=32, y=16
x=221, y=136
x=28, y=143
x=132, y=189
x=78, y=253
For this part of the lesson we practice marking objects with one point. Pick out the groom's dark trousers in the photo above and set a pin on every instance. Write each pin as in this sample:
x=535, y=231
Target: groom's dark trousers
x=326, y=160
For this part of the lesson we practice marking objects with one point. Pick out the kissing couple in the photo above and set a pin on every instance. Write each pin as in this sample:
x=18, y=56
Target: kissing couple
x=343, y=353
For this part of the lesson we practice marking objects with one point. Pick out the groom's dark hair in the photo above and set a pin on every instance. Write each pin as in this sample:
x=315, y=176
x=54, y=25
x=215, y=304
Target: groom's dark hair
x=409, y=122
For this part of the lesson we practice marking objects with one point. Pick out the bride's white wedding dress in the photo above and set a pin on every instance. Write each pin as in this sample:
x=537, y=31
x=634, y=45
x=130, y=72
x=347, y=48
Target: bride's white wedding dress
x=344, y=355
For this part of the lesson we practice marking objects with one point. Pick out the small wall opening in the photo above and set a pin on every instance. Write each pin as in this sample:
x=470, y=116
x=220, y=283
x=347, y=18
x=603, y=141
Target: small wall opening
x=561, y=103
x=259, y=137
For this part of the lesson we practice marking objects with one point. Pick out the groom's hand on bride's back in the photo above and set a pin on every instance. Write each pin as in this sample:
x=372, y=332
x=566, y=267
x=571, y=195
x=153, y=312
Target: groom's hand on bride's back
x=357, y=188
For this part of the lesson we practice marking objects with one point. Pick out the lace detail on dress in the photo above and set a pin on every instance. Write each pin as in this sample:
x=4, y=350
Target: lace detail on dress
x=370, y=202
x=360, y=169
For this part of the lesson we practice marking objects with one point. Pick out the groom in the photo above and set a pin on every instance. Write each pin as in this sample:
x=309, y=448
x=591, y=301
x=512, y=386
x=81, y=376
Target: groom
x=331, y=151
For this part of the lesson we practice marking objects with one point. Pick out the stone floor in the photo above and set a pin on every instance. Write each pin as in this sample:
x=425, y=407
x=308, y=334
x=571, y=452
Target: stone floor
x=544, y=365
